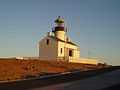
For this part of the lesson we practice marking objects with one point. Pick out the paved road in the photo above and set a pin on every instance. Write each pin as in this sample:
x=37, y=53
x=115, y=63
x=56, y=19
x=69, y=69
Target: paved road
x=98, y=82
x=68, y=81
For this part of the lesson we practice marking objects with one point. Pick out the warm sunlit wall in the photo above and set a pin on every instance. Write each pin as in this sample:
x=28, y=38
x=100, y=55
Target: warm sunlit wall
x=65, y=48
x=85, y=61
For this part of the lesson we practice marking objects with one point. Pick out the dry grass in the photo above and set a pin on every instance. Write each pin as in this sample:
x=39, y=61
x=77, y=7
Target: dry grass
x=11, y=69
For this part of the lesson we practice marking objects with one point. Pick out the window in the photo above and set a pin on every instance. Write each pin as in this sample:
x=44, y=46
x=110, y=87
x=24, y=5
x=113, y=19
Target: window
x=47, y=41
x=61, y=50
x=70, y=53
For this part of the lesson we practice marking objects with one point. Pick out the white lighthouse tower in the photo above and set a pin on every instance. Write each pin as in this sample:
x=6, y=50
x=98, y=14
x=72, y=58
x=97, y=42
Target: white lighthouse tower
x=59, y=30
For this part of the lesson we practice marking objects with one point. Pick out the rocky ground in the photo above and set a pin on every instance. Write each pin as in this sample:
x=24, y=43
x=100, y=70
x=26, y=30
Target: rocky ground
x=14, y=69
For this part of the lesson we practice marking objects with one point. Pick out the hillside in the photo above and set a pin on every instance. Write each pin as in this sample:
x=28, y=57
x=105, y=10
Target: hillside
x=12, y=69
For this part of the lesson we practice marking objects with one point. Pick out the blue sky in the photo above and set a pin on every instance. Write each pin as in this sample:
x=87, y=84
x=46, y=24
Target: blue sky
x=93, y=24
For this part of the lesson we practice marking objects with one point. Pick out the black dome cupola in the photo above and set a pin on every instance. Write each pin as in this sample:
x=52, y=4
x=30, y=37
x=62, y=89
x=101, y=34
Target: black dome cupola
x=59, y=24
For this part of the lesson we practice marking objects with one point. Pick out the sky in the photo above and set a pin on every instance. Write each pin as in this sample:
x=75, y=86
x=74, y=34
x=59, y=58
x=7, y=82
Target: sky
x=93, y=24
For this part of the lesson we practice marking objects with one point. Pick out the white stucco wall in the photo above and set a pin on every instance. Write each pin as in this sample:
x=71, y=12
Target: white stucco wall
x=66, y=47
x=76, y=52
x=48, y=52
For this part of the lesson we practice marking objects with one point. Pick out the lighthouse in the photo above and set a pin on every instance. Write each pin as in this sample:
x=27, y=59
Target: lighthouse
x=56, y=45
x=59, y=29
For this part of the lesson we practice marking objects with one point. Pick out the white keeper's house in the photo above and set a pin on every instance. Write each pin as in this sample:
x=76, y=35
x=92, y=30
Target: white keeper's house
x=56, y=45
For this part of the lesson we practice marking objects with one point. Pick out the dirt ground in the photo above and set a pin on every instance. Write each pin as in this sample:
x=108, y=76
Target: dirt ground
x=12, y=69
